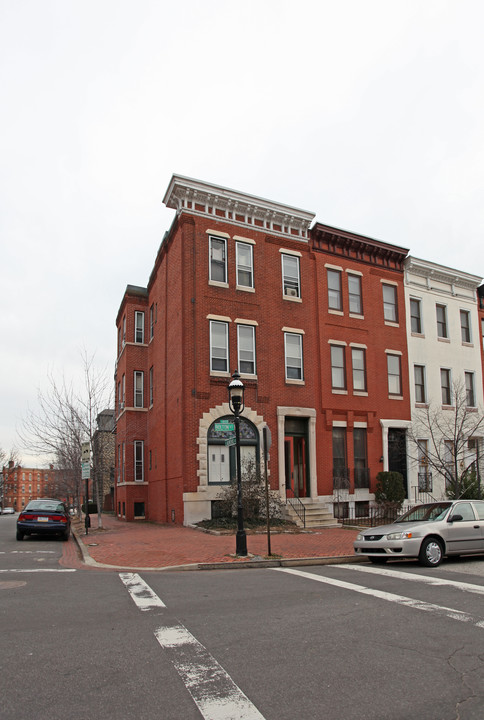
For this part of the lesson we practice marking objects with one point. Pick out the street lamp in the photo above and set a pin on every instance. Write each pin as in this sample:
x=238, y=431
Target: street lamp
x=236, y=404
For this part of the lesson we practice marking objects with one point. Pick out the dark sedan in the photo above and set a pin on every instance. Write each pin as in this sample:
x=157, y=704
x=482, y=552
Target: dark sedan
x=45, y=516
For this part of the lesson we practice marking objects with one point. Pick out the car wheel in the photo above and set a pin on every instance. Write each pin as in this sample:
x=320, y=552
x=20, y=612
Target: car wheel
x=20, y=535
x=378, y=560
x=431, y=552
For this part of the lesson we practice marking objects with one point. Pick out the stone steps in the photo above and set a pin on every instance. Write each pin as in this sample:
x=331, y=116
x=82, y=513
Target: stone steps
x=317, y=515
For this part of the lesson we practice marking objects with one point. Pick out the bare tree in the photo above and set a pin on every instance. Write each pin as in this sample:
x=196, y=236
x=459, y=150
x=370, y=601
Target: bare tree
x=66, y=418
x=447, y=441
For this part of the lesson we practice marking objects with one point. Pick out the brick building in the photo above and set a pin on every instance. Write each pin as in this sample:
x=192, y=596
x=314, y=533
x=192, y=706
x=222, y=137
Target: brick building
x=21, y=484
x=314, y=320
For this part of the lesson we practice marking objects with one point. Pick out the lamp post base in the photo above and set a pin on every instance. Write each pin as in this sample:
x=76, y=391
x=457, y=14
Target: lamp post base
x=241, y=543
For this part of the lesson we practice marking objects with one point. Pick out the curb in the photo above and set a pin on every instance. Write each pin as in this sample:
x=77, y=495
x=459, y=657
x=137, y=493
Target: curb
x=254, y=564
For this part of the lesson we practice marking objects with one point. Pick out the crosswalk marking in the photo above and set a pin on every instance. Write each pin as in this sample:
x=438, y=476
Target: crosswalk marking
x=210, y=686
x=37, y=570
x=390, y=597
x=143, y=596
x=428, y=579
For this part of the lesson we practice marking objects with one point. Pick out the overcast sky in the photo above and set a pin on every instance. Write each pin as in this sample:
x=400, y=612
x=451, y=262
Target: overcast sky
x=368, y=113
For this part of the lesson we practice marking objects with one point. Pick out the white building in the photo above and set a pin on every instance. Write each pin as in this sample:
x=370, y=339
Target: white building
x=444, y=353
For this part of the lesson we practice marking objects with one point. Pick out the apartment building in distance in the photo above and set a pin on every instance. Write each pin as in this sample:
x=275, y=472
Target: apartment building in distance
x=22, y=484
x=314, y=320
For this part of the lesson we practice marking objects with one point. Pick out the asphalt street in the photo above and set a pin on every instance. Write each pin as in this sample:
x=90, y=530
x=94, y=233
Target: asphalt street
x=337, y=641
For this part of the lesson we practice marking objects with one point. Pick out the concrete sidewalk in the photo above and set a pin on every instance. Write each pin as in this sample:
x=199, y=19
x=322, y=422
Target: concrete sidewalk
x=147, y=546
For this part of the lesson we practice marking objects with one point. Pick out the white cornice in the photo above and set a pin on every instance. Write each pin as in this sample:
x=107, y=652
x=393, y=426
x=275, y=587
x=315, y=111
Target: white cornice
x=440, y=273
x=202, y=198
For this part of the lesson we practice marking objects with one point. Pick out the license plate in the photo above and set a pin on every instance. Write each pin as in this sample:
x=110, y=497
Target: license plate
x=42, y=519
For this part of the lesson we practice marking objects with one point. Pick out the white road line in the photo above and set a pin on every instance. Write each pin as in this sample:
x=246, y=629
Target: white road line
x=141, y=593
x=37, y=570
x=391, y=597
x=212, y=689
x=430, y=580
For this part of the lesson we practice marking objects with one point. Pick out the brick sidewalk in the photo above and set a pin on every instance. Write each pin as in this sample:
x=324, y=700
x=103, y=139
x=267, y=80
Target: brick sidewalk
x=147, y=545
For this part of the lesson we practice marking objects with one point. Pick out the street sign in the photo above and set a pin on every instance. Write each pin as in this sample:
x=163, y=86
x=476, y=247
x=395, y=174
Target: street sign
x=231, y=441
x=224, y=426
x=86, y=470
x=85, y=452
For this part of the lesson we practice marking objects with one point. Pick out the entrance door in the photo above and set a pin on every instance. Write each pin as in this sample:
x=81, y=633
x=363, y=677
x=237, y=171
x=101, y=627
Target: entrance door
x=397, y=453
x=219, y=465
x=295, y=465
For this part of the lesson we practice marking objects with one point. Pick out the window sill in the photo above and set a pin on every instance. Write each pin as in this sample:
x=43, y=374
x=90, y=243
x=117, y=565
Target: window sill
x=418, y=335
x=360, y=393
x=292, y=299
x=390, y=323
x=219, y=374
x=339, y=392
x=443, y=339
x=295, y=382
x=217, y=283
x=356, y=316
x=331, y=311
x=448, y=407
x=243, y=288
x=395, y=397
x=421, y=405
x=468, y=344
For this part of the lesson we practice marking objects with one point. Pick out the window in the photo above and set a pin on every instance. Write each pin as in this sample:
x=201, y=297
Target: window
x=390, y=309
x=123, y=391
x=482, y=331
x=362, y=475
x=419, y=375
x=151, y=385
x=358, y=361
x=138, y=461
x=219, y=346
x=441, y=321
x=394, y=374
x=340, y=463
x=354, y=294
x=290, y=276
x=293, y=356
x=338, y=370
x=415, y=316
x=335, y=300
x=246, y=347
x=218, y=259
x=445, y=386
x=245, y=267
x=139, y=332
x=470, y=395
x=424, y=476
x=124, y=330
x=138, y=389
x=152, y=321
x=465, y=326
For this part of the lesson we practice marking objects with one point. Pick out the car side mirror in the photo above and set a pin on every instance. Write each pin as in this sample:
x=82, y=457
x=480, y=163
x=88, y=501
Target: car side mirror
x=455, y=518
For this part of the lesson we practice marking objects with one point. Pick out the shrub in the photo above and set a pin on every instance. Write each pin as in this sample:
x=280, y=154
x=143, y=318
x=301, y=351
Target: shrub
x=390, y=490
x=254, y=504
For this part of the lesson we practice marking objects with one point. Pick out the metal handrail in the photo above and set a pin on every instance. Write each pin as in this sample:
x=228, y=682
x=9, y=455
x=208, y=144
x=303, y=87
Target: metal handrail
x=296, y=505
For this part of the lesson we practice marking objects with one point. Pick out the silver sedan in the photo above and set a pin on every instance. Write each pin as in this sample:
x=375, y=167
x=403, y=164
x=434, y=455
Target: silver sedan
x=427, y=532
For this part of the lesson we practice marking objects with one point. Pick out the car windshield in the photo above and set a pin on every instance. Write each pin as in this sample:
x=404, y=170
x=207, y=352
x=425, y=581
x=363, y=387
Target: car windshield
x=426, y=513
x=51, y=505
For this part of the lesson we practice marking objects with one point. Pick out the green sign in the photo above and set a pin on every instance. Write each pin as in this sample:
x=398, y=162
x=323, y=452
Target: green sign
x=231, y=441
x=224, y=427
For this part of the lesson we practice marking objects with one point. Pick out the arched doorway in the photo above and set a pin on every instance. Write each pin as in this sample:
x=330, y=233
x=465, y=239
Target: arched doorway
x=221, y=457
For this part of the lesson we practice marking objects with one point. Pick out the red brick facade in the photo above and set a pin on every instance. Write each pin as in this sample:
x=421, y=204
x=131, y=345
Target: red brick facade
x=168, y=454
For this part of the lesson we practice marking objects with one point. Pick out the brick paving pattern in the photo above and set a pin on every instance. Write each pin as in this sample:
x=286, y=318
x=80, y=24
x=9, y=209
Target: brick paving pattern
x=146, y=545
